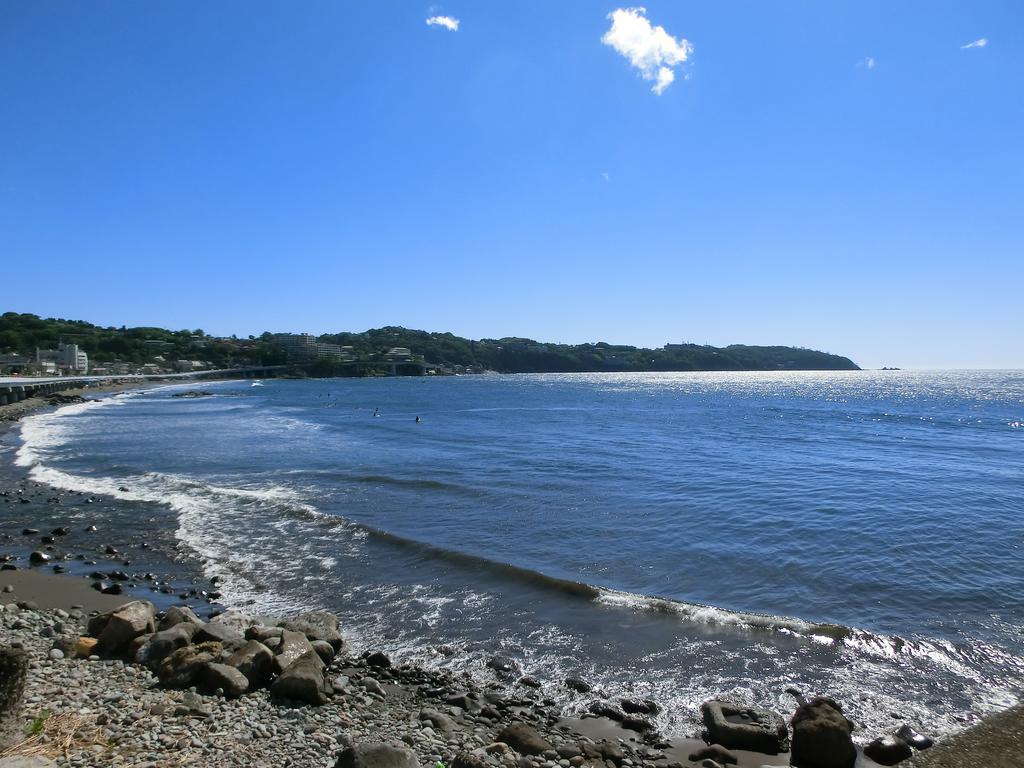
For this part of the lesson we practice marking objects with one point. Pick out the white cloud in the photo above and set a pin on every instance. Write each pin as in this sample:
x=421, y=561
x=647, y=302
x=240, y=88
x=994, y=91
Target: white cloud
x=444, y=21
x=981, y=42
x=605, y=176
x=651, y=50
x=868, y=62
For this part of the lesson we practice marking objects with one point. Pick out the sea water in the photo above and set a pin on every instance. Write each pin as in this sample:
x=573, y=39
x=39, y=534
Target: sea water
x=672, y=536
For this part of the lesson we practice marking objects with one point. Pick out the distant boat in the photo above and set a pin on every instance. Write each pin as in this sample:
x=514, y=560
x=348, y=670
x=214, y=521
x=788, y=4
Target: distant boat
x=256, y=384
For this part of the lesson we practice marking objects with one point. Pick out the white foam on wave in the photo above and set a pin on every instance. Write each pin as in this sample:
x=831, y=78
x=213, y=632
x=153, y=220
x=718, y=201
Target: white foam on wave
x=43, y=433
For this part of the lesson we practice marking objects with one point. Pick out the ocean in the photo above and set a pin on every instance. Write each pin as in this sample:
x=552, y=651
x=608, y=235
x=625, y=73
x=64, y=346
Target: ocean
x=677, y=536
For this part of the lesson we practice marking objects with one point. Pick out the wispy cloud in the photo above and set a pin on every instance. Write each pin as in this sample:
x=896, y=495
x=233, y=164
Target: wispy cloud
x=649, y=49
x=868, y=62
x=981, y=42
x=447, y=22
x=605, y=176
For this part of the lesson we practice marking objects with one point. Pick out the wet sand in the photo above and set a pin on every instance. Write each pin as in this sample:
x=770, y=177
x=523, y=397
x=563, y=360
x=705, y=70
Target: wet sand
x=50, y=591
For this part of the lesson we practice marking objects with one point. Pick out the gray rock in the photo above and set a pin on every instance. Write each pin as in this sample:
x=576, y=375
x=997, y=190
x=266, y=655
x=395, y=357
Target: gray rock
x=179, y=614
x=303, y=680
x=716, y=753
x=293, y=646
x=821, y=736
x=125, y=624
x=263, y=633
x=377, y=756
x=757, y=730
x=227, y=634
x=578, y=685
x=524, y=739
x=255, y=661
x=438, y=720
x=324, y=650
x=317, y=625
x=228, y=679
x=371, y=685
x=27, y=762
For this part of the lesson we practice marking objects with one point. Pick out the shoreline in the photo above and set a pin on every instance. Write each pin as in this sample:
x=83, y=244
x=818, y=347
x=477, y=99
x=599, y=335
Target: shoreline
x=41, y=590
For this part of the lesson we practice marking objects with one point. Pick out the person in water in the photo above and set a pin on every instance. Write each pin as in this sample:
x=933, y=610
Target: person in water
x=376, y=411
x=417, y=419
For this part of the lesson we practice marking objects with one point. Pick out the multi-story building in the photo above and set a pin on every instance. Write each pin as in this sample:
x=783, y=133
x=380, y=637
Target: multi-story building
x=67, y=358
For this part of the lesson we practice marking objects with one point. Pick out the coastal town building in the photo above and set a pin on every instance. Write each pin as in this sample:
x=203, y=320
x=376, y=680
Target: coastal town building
x=67, y=358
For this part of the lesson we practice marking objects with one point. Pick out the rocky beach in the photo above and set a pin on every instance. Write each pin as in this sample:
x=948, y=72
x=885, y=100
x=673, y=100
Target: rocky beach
x=130, y=659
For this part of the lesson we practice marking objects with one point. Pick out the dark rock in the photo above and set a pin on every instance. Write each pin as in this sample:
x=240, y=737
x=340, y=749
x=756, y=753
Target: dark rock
x=317, y=625
x=757, y=730
x=379, y=660
x=377, y=756
x=639, y=707
x=888, y=750
x=29, y=531
x=463, y=700
x=578, y=685
x=715, y=752
x=8, y=567
x=638, y=724
x=529, y=682
x=255, y=661
x=913, y=738
x=112, y=589
x=821, y=736
x=163, y=643
x=182, y=668
x=502, y=665
x=48, y=539
x=604, y=709
x=524, y=739
x=303, y=680
x=37, y=557
x=228, y=679
x=62, y=531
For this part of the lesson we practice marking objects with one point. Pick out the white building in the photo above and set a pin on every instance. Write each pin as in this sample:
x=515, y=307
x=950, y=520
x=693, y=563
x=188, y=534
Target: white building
x=67, y=358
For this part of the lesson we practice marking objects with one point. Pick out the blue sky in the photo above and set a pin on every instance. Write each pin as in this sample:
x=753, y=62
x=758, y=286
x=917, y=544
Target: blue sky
x=842, y=176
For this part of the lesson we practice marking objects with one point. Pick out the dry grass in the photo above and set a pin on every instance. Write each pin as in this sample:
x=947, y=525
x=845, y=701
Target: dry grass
x=58, y=735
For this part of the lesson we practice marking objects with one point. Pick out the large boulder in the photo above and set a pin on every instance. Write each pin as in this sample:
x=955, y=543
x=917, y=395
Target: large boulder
x=255, y=661
x=524, y=739
x=888, y=750
x=123, y=625
x=377, y=756
x=183, y=667
x=238, y=621
x=163, y=643
x=293, y=645
x=179, y=614
x=757, y=730
x=226, y=634
x=303, y=680
x=227, y=679
x=821, y=736
x=317, y=625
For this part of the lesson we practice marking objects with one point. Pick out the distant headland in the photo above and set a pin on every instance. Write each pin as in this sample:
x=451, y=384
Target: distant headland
x=33, y=345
